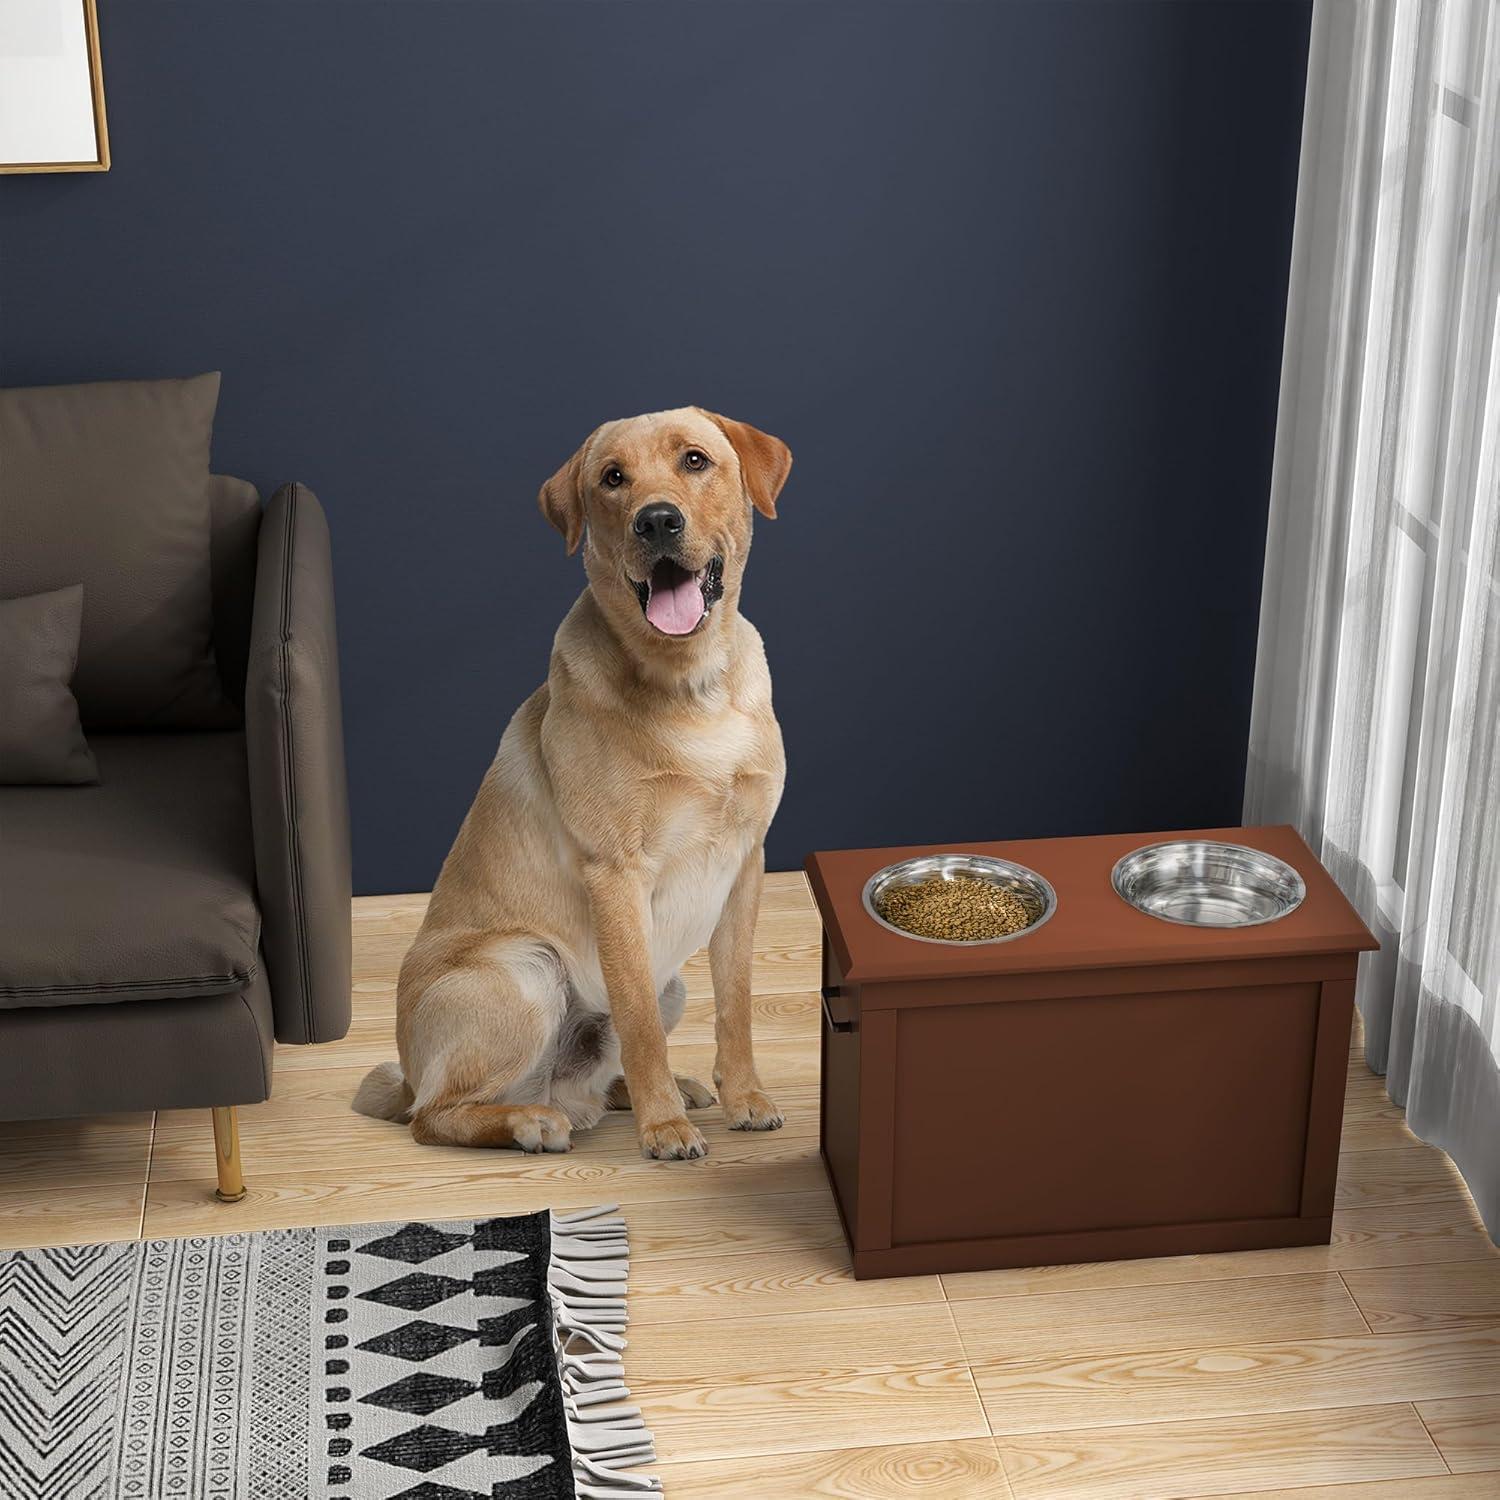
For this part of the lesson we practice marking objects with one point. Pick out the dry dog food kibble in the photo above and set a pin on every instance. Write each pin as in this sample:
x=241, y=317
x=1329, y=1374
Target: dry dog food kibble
x=961, y=909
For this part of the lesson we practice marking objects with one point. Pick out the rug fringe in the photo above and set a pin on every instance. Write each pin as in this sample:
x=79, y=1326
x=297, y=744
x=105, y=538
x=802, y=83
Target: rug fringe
x=587, y=1277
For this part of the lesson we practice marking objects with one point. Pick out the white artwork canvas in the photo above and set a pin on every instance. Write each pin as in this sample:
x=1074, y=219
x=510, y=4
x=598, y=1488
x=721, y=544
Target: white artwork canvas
x=51, y=114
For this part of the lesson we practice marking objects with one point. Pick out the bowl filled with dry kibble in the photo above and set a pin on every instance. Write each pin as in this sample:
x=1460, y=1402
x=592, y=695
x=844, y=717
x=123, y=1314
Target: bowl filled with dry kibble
x=959, y=899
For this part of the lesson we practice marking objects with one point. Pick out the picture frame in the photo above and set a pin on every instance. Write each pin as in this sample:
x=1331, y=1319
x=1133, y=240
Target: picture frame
x=52, y=116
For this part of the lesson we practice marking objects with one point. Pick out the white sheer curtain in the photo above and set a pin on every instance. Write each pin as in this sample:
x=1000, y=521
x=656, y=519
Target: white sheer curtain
x=1376, y=725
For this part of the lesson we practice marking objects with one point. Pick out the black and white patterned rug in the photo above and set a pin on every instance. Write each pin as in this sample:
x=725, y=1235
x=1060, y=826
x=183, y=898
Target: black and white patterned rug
x=472, y=1360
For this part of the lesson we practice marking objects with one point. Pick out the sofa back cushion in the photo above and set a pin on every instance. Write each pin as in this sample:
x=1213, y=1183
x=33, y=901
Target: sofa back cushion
x=107, y=485
x=41, y=743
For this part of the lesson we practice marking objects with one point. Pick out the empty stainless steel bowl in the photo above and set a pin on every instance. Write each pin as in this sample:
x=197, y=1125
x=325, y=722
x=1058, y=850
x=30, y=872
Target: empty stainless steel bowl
x=1204, y=884
x=1034, y=891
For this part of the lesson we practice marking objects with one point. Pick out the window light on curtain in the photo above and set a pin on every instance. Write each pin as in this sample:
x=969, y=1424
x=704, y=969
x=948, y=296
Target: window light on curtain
x=1376, y=723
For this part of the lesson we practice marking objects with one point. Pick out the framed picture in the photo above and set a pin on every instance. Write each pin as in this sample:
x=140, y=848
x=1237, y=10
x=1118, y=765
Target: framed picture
x=51, y=88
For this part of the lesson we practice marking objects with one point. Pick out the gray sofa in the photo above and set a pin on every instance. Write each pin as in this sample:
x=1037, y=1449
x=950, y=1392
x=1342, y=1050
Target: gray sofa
x=159, y=929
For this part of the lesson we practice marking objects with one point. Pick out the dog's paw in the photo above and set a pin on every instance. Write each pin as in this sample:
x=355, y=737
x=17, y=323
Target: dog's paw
x=755, y=1111
x=540, y=1128
x=695, y=1095
x=672, y=1140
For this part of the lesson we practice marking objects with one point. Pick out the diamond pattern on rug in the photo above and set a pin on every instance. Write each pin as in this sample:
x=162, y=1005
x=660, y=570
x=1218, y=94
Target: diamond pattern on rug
x=420, y=1339
x=401, y=1361
x=427, y=1490
x=414, y=1243
x=417, y=1292
x=482, y=1413
x=421, y=1394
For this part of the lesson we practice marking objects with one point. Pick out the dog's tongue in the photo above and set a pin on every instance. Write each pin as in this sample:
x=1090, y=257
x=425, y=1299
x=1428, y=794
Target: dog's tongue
x=676, y=602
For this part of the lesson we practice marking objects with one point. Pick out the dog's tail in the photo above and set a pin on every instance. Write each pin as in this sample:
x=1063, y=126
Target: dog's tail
x=384, y=1094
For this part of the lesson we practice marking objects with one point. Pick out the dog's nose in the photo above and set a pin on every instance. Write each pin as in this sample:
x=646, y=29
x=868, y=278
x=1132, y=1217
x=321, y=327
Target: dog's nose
x=658, y=522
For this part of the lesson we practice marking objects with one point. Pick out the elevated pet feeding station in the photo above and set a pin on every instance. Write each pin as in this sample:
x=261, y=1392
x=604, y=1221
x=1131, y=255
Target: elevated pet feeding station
x=1154, y=1066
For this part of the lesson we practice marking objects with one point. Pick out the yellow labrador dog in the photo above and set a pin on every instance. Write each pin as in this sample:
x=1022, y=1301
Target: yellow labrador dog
x=619, y=827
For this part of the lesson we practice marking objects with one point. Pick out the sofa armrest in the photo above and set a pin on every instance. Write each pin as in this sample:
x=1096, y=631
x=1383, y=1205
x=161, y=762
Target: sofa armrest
x=299, y=802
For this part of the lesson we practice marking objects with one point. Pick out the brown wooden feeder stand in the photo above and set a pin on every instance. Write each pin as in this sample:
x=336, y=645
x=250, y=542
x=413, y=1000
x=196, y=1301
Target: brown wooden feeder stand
x=1105, y=1086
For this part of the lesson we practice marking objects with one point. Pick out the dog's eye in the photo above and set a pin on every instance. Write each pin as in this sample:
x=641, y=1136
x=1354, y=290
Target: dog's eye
x=694, y=459
x=614, y=476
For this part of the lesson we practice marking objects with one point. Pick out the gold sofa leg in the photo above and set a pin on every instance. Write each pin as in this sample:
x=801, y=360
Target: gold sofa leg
x=231, y=1186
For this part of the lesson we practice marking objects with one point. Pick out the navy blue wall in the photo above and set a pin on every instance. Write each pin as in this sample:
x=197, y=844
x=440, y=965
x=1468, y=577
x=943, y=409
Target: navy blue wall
x=1010, y=279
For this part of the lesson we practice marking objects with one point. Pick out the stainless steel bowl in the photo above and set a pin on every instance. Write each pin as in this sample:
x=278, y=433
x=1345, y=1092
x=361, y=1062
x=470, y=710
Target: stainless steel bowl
x=1203, y=884
x=1033, y=890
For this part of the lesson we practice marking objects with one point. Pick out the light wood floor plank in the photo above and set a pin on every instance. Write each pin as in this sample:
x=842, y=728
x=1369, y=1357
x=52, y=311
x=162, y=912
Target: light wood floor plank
x=1365, y=1095
x=1403, y=1174
x=820, y=1346
x=98, y=1151
x=1232, y=1379
x=351, y=1195
x=912, y=1404
x=32, y=1217
x=704, y=1289
x=1467, y=1433
x=1400, y=1299
x=369, y=1042
x=1175, y=1460
x=926, y=1471
x=1150, y=1317
x=683, y=1227
x=779, y=968
x=1400, y=1234
x=1376, y=1130
x=1435, y=1487
x=790, y=1015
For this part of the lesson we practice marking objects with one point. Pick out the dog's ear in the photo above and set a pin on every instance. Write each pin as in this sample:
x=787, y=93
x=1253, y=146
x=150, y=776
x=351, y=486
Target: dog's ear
x=561, y=500
x=765, y=461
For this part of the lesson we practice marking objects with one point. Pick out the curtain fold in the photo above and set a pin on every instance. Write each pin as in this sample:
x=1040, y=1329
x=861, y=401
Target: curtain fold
x=1376, y=719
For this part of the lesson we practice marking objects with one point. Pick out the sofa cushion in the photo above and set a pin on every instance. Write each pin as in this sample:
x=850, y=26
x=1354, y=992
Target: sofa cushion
x=140, y=887
x=41, y=741
x=107, y=485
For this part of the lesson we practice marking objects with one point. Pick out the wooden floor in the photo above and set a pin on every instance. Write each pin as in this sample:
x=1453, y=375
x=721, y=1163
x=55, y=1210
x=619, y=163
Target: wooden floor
x=1368, y=1370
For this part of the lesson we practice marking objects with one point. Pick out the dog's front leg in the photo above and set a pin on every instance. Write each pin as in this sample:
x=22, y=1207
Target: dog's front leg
x=618, y=902
x=730, y=956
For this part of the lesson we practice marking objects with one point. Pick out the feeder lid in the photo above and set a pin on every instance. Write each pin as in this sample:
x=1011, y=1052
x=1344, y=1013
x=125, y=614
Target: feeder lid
x=1092, y=926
